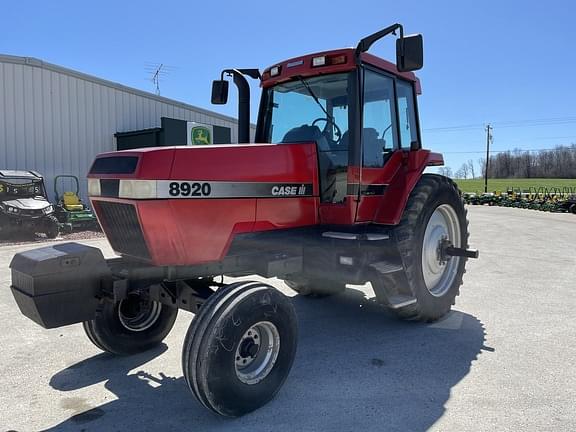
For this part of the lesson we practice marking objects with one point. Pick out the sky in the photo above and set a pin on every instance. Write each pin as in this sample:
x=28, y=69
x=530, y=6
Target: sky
x=510, y=64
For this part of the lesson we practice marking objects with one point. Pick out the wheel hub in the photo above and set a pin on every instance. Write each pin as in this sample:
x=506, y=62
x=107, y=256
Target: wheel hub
x=257, y=352
x=439, y=270
x=138, y=314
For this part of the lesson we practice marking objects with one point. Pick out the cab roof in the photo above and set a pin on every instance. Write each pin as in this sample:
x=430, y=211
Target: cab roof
x=33, y=175
x=340, y=60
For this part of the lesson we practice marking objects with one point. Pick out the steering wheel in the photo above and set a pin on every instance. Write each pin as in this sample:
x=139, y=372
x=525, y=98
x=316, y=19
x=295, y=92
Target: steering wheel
x=330, y=122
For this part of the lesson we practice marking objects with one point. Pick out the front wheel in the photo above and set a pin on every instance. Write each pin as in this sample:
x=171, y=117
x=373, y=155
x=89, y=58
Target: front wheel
x=434, y=217
x=51, y=227
x=240, y=347
x=130, y=326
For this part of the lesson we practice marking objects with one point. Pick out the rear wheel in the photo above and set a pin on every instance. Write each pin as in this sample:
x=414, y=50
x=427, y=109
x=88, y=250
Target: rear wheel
x=315, y=287
x=434, y=215
x=130, y=326
x=239, y=348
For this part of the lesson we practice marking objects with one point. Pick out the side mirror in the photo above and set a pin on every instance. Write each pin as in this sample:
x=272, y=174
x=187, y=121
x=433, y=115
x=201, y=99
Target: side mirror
x=409, y=53
x=219, y=92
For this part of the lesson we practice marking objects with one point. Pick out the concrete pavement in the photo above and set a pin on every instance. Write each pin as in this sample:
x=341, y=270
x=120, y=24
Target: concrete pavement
x=503, y=360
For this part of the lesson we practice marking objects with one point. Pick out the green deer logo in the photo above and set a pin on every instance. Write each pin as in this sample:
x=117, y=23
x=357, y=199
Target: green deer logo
x=201, y=136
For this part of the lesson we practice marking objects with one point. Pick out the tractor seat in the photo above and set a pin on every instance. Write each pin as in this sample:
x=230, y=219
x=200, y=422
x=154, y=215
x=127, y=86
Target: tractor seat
x=72, y=202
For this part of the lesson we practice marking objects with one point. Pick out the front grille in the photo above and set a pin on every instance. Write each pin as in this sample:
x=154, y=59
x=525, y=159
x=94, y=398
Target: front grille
x=31, y=213
x=120, y=223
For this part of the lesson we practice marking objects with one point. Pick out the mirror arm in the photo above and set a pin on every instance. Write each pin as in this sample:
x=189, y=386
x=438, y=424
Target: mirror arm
x=243, y=101
x=365, y=43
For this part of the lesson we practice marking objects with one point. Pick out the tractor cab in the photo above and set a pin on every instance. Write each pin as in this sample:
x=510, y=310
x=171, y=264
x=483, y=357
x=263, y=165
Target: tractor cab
x=360, y=111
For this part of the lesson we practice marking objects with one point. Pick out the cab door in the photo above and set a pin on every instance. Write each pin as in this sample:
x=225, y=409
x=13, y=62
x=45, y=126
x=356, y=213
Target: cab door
x=390, y=147
x=381, y=153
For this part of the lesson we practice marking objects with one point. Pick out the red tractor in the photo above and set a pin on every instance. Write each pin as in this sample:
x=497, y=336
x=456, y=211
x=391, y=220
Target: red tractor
x=335, y=196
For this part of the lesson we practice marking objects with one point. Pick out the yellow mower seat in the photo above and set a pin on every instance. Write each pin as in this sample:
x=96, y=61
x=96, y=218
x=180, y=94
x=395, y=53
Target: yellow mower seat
x=72, y=202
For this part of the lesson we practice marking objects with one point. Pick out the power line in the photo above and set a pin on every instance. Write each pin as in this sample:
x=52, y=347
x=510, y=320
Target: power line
x=501, y=151
x=507, y=124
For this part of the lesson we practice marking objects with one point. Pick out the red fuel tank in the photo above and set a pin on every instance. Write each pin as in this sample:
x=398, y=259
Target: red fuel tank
x=183, y=205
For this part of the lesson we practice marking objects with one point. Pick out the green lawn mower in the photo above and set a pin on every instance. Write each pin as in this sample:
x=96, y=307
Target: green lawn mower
x=69, y=208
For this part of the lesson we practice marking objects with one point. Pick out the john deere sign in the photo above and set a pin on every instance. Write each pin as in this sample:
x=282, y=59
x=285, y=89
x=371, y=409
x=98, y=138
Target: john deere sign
x=199, y=134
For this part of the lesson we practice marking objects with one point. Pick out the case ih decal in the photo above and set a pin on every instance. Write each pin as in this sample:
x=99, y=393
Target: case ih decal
x=201, y=189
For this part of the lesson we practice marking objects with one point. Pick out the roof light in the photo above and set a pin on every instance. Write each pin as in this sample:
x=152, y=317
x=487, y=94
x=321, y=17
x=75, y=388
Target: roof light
x=336, y=60
x=274, y=71
x=318, y=61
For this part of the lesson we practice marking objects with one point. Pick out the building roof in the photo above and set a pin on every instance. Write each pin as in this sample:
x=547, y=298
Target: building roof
x=34, y=62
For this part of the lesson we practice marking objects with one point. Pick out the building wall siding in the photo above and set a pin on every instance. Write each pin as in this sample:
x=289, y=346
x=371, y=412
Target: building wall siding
x=56, y=123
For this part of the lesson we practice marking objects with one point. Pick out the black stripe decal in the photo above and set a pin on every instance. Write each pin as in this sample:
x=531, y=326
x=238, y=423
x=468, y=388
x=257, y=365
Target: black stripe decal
x=199, y=189
x=208, y=189
x=368, y=190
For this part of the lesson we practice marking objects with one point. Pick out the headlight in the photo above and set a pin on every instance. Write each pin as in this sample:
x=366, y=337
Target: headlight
x=12, y=210
x=94, y=187
x=137, y=189
x=48, y=209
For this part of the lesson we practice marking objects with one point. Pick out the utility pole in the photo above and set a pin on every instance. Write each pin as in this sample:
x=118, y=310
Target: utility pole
x=488, y=141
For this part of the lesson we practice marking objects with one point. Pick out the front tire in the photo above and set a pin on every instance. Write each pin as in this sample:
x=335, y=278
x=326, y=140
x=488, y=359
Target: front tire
x=435, y=212
x=240, y=347
x=130, y=326
x=51, y=227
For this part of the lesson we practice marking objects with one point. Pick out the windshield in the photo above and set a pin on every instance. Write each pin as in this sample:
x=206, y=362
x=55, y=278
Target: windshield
x=311, y=109
x=20, y=188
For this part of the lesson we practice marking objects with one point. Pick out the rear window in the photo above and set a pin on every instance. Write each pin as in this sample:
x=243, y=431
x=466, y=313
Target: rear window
x=114, y=165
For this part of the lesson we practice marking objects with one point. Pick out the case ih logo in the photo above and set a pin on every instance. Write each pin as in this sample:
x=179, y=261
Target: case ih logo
x=289, y=190
x=200, y=135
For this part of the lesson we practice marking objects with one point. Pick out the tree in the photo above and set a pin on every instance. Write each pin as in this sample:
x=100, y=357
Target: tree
x=471, y=168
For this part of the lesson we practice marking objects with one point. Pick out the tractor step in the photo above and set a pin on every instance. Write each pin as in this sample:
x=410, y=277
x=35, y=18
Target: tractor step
x=352, y=236
x=386, y=267
x=399, y=301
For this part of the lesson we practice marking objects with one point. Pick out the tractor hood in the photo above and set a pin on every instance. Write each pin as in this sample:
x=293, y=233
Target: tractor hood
x=185, y=205
x=222, y=171
x=27, y=203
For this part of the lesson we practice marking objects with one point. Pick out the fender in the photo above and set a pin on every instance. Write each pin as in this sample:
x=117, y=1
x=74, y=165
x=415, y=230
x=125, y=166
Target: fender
x=396, y=196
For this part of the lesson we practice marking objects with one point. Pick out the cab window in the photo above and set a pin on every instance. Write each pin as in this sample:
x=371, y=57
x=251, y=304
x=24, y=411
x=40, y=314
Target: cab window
x=406, y=114
x=378, y=128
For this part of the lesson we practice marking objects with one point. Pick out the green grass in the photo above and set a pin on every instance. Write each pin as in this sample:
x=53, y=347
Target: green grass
x=477, y=185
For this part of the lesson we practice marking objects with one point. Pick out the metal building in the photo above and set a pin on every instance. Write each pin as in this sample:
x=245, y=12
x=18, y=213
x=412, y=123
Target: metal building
x=55, y=120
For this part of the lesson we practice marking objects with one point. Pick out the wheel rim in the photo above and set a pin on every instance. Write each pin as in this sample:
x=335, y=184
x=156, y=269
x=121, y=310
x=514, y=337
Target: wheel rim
x=257, y=352
x=439, y=272
x=137, y=314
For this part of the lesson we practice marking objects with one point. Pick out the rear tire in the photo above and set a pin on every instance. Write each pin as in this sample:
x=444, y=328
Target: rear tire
x=240, y=347
x=315, y=287
x=130, y=326
x=434, y=210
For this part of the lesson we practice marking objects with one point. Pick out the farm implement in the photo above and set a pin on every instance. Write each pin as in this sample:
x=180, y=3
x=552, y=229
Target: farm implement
x=556, y=200
x=335, y=194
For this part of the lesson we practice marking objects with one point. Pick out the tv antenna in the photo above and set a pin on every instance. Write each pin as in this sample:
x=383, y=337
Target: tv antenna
x=157, y=71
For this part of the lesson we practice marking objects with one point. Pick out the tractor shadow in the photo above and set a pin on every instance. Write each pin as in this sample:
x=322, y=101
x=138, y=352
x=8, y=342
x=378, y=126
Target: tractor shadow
x=357, y=368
